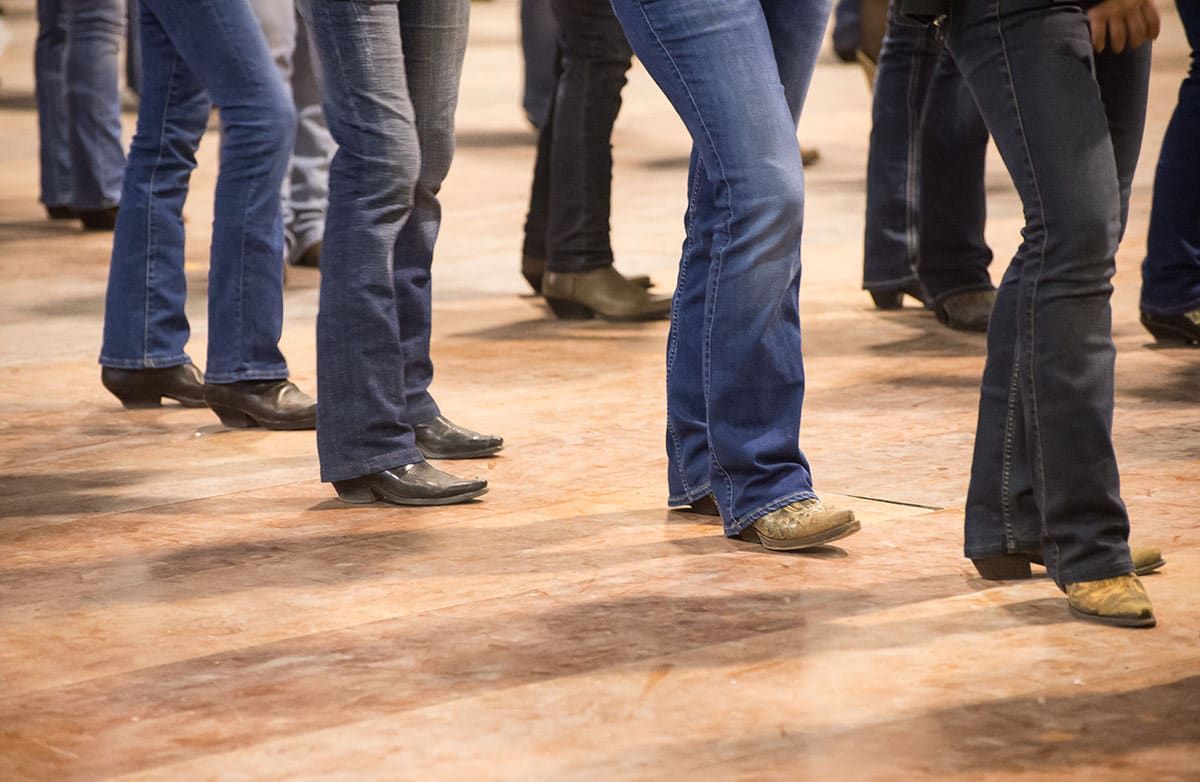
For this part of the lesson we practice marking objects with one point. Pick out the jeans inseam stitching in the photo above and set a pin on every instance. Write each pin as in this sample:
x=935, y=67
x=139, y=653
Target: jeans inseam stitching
x=150, y=235
x=1006, y=511
x=912, y=167
x=673, y=346
x=717, y=260
x=1035, y=455
x=249, y=198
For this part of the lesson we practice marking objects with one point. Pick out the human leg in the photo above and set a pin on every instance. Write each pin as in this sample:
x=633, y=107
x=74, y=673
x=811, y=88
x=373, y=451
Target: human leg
x=144, y=321
x=49, y=65
x=1171, y=269
x=95, y=30
x=1049, y=372
x=718, y=66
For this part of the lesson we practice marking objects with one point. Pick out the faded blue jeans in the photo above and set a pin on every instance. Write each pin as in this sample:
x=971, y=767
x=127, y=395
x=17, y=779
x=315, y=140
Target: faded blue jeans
x=391, y=74
x=1171, y=270
x=195, y=53
x=1068, y=125
x=79, y=101
x=737, y=73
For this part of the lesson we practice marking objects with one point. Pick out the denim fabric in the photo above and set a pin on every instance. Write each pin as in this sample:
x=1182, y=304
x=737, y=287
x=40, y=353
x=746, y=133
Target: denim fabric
x=306, y=187
x=1171, y=270
x=847, y=30
x=737, y=73
x=539, y=44
x=192, y=51
x=926, y=205
x=49, y=68
x=568, y=221
x=1068, y=126
x=391, y=76
x=79, y=101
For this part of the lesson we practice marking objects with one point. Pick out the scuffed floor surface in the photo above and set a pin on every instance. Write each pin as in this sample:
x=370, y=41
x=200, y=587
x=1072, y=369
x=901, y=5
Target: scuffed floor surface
x=179, y=601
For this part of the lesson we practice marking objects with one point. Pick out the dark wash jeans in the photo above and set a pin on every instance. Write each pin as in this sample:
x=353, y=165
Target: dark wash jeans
x=926, y=205
x=196, y=53
x=1068, y=125
x=1171, y=270
x=569, y=208
x=391, y=74
x=737, y=73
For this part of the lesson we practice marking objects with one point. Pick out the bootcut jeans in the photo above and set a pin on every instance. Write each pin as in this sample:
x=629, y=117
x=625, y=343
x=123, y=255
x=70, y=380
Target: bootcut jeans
x=391, y=74
x=79, y=102
x=570, y=203
x=926, y=205
x=737, y=73
x=195, y=53
x=1068, y=125
x=1171, y=270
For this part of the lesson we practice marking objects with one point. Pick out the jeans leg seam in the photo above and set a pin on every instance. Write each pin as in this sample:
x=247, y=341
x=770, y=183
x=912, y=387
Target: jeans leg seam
x=1035, y=443
x=673, y=345
x=150, y=234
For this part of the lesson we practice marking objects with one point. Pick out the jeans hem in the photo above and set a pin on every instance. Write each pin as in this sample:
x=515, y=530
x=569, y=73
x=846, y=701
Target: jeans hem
x=576, y=265
x=260, y=373
x=1169, y=311
x=688, y=497
x=1122, y=567
x=148, y=362
x=732, y=530
x=1000, y=550
x=387, y=461
x=899, y=282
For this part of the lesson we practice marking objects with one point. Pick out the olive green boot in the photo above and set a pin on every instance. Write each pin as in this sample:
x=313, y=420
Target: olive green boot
x=1120, y=601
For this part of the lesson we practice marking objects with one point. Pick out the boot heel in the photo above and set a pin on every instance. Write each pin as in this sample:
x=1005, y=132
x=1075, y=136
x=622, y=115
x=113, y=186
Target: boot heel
x=1006, y=567
x=1164, y=334
x=570, y=310
x=139, y=400
x=235, y=419
x=354, y=492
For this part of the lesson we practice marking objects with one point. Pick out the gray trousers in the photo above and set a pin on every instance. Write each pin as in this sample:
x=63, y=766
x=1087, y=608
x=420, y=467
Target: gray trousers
x=306, y=187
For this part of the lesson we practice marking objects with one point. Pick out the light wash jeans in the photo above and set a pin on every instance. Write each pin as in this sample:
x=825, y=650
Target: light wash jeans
x=737, y=73
x=391, y=76
x=194, y=54
x=79, y=102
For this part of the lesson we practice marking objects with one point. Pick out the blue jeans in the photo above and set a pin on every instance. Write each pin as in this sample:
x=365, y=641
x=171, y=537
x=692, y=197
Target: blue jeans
x=195, y=53
x=1068, y=125
x=79, y=101
x=736, y=73
x=391, y=75
x=926, y=205
x=1171, y=270
x=570, y=203
x=306, y=186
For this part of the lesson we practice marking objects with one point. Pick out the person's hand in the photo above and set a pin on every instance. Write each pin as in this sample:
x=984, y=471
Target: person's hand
x=1122, y=23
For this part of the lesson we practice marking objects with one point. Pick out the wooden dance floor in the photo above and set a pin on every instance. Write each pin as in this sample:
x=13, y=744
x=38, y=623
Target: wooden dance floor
x=181, y=601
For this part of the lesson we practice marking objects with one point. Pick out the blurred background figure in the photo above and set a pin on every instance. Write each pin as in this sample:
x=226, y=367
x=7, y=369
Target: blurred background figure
x=926, y=205
x=306, y=186
x=1171, y=271
x=567, y=254
x=539, y=44
x=79, y=109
